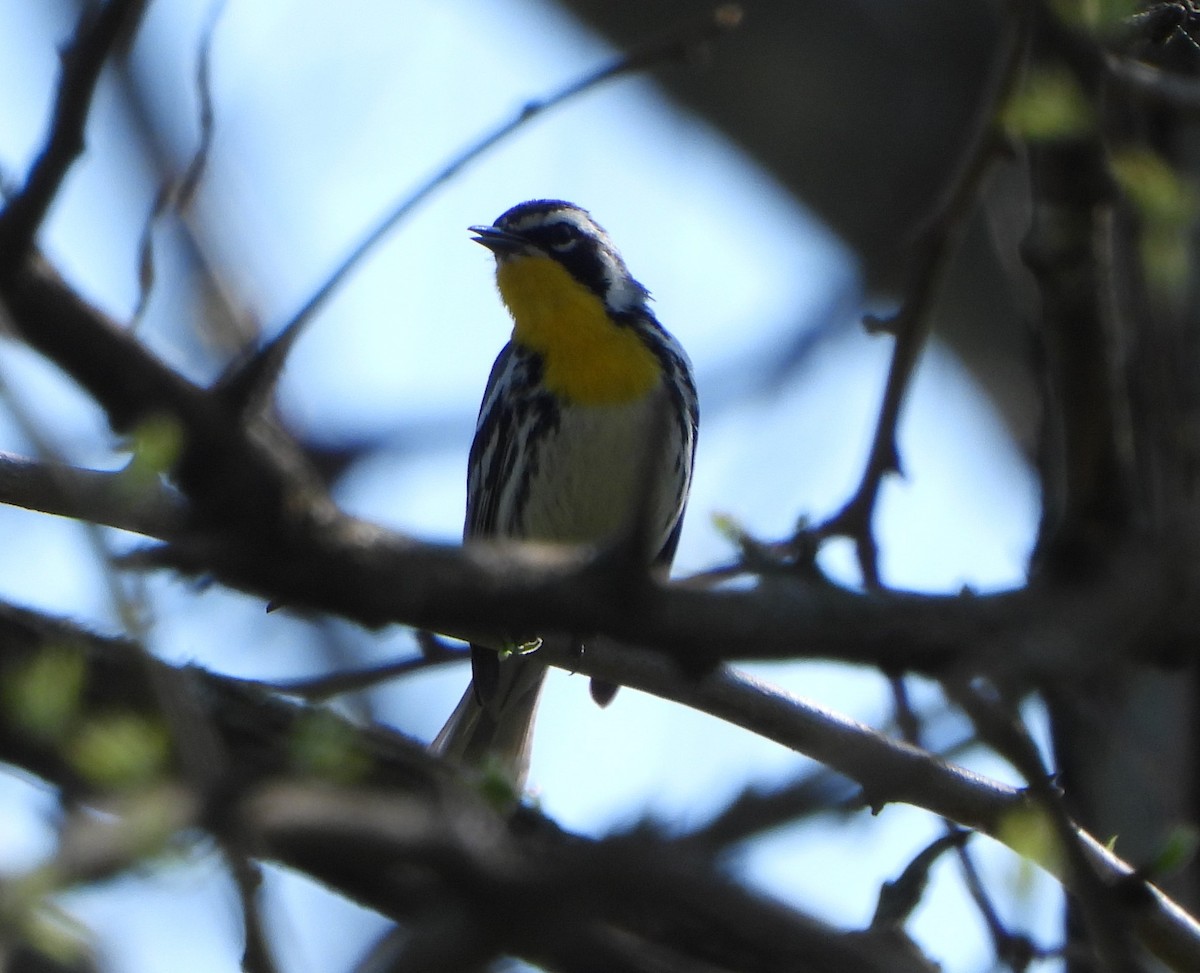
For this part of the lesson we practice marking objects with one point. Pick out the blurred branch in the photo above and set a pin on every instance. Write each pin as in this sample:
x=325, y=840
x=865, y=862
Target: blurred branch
x=334, y=684
x=400, y=832
x=1155, y=85
x=421, y=813
x=177, y=193
x=82, y=61
x=233, y=471
x=249, y=380
x=92, y=847
x=142, y=504
x=625, y=903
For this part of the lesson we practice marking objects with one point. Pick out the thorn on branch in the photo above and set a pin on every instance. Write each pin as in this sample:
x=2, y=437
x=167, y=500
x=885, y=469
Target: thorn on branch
x=875, y=324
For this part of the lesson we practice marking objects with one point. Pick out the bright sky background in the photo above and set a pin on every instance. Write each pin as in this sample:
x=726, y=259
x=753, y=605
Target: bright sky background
x=325, y=115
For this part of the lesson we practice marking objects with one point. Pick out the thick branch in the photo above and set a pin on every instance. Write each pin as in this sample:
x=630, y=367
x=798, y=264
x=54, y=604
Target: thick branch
x=1046, y=632
x=236, y=472
x=1049, y=632
x=409, y=836
x=259, y=731
x=628, y=902
x=122, y=499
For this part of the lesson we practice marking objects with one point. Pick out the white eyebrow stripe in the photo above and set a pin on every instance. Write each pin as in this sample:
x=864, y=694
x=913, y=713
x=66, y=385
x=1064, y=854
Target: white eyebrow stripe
x=621, y=292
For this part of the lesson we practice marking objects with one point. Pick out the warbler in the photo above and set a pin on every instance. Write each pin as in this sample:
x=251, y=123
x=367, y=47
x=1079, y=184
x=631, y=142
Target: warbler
x=588, y=425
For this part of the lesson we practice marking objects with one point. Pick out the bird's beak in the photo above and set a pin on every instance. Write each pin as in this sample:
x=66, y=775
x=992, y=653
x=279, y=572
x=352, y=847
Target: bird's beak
x=497, y=240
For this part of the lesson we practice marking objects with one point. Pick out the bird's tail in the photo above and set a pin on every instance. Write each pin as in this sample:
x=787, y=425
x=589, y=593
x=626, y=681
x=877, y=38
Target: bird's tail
x=496, y=734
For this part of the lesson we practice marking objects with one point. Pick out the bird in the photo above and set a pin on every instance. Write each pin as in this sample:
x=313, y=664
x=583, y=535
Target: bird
x=587, y=430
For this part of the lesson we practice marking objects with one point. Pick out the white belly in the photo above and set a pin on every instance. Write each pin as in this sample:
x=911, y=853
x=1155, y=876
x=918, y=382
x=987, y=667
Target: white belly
x=594, y=471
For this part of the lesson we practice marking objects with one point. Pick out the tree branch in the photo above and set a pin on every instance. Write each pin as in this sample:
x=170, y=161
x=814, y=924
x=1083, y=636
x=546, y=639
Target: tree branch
x=82, y=60
x=125, y=499
x=910, y=325
x=427, y=808
x=1050, y=632
x=404, y=833
x=238, y=473
x=252, y=378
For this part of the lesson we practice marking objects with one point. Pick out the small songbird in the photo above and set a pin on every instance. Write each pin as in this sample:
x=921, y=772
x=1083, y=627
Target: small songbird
x=588, y=423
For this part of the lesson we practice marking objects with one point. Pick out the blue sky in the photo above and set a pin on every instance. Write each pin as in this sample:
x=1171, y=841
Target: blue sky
x=325, y=115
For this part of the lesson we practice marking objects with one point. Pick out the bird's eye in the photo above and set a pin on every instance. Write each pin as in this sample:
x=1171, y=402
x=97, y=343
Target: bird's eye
x=561, y=236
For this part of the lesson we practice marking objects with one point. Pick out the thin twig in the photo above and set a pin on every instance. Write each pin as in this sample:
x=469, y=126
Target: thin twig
x=247, y=876
x=756, y=811
x=190, y=181
x=328, y=686
x=248, y=379
x=910, y=325
x=898, y=898
x=175, y=194
x=1110, y=928
x=1016, y=950
x=84, y=57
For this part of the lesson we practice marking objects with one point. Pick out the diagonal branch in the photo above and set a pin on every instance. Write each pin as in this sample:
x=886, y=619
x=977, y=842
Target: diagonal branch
x=1102, y=899
x=249, y=380
x=235, y=472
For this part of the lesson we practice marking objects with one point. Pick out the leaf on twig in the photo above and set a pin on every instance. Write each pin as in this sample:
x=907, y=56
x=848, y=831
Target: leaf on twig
x=1049, y=105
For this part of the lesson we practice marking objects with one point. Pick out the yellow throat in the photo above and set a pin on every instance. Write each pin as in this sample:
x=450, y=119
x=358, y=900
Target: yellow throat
x=588, y=359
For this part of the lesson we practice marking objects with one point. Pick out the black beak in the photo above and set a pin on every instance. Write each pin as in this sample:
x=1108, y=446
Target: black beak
x=497, y=240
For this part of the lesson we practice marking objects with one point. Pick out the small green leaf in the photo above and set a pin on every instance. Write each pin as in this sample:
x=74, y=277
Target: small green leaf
x=120, y=751
x=43, y=697
x=1156, y=189
x=1168, y=206
x=1049, y=105
x=1030, y=833
x=1177, y=853
x=326, y=747
x=1096, y=14
x=729, y=527
x=156, y=444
